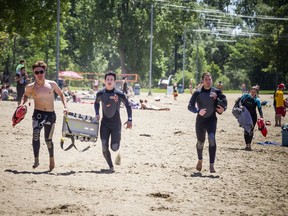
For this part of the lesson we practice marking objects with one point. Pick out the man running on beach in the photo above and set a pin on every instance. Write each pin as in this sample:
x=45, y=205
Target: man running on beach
x=42, y=91
x=209, y=100
x=111, y=122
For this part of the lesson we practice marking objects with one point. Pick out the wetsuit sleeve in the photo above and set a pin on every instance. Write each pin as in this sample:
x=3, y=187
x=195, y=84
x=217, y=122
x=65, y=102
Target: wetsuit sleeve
x=192, y=103
x=259, y=108
x=125, y=101
x=97, y=103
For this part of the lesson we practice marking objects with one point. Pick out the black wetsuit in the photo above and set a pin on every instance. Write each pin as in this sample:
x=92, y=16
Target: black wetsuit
x=111, y=122
x=251, y=104
x=208, y=122
x=47, y=120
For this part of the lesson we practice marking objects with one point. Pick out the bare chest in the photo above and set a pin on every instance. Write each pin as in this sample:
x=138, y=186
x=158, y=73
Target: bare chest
x=43, y=92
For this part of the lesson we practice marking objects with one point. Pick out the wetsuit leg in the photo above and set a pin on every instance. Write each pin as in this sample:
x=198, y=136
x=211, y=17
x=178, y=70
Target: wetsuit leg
x=200, y=133
x=104, y=135
x=36, y=138
x=116, y=136
x=211, y=130
x=249, y=136
x=48, y=134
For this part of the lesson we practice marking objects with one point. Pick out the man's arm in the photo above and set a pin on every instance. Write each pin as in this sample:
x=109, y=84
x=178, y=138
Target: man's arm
x=258, y=102
x=97, y=104
x=60, y=93
x=127, y=105
x=192, y=103
x=124, y=99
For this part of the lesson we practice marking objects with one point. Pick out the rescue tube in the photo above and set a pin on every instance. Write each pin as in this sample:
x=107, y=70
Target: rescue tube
x=262, y=127
x=19, y=114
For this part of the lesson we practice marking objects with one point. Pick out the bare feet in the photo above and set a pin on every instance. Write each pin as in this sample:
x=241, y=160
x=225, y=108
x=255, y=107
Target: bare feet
x=248, y=147
x=51, y=164
x=212, y=170
x=112, y=169
x=36, y=163
x=199, y=165
x=118, y=159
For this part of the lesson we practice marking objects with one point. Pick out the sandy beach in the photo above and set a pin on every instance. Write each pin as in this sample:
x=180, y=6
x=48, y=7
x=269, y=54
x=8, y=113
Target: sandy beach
x=157, y=175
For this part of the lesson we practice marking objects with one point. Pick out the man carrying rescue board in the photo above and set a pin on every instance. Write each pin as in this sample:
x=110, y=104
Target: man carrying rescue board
x=42, y=91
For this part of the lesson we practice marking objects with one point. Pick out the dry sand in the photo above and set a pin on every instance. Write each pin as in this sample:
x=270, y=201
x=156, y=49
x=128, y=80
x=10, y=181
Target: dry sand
x=157, y=175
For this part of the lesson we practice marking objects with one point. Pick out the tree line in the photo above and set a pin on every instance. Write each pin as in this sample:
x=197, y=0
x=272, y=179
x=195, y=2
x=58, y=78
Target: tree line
x=189, y=37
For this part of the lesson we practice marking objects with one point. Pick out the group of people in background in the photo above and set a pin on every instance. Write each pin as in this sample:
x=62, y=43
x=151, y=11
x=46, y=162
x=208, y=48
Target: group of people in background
x=21, y=78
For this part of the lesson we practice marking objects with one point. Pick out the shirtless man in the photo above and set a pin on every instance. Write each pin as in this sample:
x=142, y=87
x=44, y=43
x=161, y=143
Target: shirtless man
x=42, y=91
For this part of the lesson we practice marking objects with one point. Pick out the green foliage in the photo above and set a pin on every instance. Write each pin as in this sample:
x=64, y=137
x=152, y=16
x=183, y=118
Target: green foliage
x=187, y=77
x=105, y=35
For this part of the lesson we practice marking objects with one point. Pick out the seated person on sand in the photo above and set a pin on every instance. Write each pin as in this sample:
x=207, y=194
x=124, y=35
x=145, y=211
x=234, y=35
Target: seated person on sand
x=144, y=105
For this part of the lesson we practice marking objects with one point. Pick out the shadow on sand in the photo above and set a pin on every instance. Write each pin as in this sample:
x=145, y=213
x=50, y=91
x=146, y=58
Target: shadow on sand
x=102, y=171
x=199, y=174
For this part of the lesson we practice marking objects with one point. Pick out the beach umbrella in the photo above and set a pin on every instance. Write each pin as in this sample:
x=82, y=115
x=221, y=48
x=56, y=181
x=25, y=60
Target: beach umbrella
x=70, y=75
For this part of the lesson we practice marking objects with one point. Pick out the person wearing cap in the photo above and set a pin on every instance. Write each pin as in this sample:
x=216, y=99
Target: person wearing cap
x=279, y=104
x=251, y=102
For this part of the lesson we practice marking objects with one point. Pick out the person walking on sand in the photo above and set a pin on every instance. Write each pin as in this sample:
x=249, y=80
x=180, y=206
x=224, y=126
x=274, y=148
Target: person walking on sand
x=279, y=104
x=42, y=91
x=251, y=102
x=175, y=91
x=209, y=100
x=124, y=85
x=110, y=127
x=21, y=79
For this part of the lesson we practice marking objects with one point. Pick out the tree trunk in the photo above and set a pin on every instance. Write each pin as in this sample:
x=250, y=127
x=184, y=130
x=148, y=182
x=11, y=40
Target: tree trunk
x=122, y=60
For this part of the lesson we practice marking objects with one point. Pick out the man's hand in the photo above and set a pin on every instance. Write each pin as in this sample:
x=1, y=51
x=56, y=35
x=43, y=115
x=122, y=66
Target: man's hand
x=202, y=112
x=96, y=119
x=128, y=124
x=220, y=109
x=65, y=111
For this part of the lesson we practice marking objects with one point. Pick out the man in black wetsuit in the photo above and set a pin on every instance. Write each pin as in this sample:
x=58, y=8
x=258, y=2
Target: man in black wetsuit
x=206, y=101
x=111, y=123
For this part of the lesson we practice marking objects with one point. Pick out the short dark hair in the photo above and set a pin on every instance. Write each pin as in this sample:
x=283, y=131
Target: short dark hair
x=110, y=73
x=39, y=64
x=206, y=74
x=22, y=60
x=22, y=68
